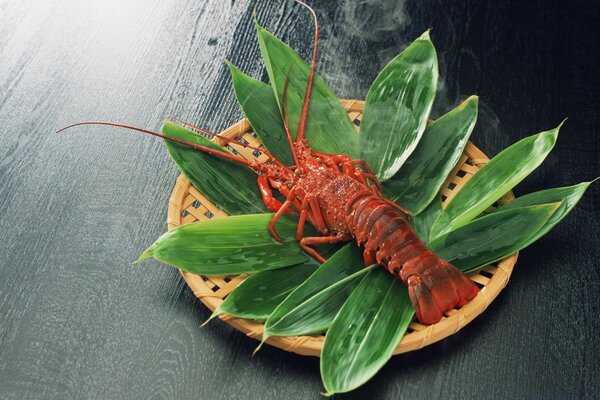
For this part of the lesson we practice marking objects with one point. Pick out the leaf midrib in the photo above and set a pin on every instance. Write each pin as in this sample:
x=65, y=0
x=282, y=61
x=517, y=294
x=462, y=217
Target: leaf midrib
x=245, y=247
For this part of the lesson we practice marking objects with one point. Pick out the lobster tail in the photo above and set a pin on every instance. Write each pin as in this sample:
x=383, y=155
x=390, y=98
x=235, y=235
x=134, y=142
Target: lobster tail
x=434, y=285
x=437, y=288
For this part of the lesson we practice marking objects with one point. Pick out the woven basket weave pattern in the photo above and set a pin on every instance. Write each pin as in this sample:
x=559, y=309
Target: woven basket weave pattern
x=188, y=204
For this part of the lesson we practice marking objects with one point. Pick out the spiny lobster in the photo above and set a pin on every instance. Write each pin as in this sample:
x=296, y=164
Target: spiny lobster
x=342, y=199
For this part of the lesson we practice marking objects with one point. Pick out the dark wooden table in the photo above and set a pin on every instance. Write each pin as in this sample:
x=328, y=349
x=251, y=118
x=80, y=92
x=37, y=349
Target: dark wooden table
x=78, y=321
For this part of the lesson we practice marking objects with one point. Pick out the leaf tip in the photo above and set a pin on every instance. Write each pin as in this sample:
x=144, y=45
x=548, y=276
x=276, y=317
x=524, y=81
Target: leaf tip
x=212, y=316
x=425, y=35
x=472, y=102
x=473, y=98
x=555, y=130
x=552, y=133
x=235, y=71
x=260, y=345
x=167, y=126
x=255, y=18
x=562, y=122
x=145, y=255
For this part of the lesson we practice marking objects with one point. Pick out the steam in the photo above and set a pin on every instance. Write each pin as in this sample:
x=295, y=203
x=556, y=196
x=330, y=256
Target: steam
x=374, y=20
x=349, y=63
x=354, y=28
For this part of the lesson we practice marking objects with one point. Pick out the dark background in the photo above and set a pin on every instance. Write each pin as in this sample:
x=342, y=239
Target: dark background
x=78, y=321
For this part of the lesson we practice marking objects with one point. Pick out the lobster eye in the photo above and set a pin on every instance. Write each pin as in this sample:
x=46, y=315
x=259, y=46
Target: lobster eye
x=298, y=172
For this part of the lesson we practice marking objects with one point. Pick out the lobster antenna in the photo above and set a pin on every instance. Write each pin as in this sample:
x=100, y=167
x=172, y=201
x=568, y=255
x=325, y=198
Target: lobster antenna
x=217, y=153
x=286, y=122
x=313, y=64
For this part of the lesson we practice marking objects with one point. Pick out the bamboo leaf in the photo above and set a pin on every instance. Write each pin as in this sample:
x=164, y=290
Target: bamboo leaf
x=234, y=245
x=423, y=222
x=260, y=107
x=229, y=185
x=438, y=151
x=496, y=178
x=492, y=237
x=567, y=196
x=328, y=127
x=311, y=307
x=365, y=332
x=259, y=294
x=397, y=108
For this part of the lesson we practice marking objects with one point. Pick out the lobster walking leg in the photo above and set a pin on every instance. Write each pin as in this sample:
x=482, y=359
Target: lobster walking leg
x=306, y=242
x=284, y=207
x=310, y=206
x=267, y=194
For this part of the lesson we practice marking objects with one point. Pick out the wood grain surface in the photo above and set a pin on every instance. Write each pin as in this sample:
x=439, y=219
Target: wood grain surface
x=77, y=320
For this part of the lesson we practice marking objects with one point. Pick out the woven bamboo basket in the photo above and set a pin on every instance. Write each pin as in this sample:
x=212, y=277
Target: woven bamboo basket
x=188, y=204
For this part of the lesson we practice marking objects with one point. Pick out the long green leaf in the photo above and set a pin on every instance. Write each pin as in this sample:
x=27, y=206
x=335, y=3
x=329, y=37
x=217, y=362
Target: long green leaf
x=496, y=178
x=397, y=108
x=328, y=127
x=260, y=107
x=492, y=237
x=365, y=332
x=259, y=294
x=311, y=307
x=438, y=151
x=567, y=196
x=229, y=185
x=234, y=245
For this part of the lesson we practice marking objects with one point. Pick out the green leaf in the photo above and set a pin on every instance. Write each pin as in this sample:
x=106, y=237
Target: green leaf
x=259, y=294
x=495, y=179
x=567, y=196
x=328, y=127
x=311, y=307
x=423, y=222
x=438, y=151
x=365, y=332
x=225, y=246
x=492, y=237
x=229, y=185
x=397, y=108
x=260, y=107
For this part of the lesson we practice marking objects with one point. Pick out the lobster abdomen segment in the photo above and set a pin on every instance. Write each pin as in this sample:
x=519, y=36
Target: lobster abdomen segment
x=435, y=286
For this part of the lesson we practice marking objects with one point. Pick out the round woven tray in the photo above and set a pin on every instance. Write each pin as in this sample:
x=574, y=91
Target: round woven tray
x=188, y=204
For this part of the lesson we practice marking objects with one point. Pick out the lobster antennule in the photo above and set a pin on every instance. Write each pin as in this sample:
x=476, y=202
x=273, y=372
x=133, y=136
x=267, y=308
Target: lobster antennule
x=311, y=76
x=234, y=141
x=214, y=135
x=217, y=153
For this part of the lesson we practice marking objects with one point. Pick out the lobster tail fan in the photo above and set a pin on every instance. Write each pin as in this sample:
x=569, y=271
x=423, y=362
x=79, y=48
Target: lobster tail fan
x=439, y=289
x=427, y=310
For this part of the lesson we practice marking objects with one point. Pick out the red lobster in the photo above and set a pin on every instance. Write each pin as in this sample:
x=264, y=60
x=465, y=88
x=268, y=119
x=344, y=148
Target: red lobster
x=341, y=198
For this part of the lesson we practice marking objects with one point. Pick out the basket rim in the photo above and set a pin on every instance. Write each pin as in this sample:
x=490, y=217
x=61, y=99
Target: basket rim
x=311, y=345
